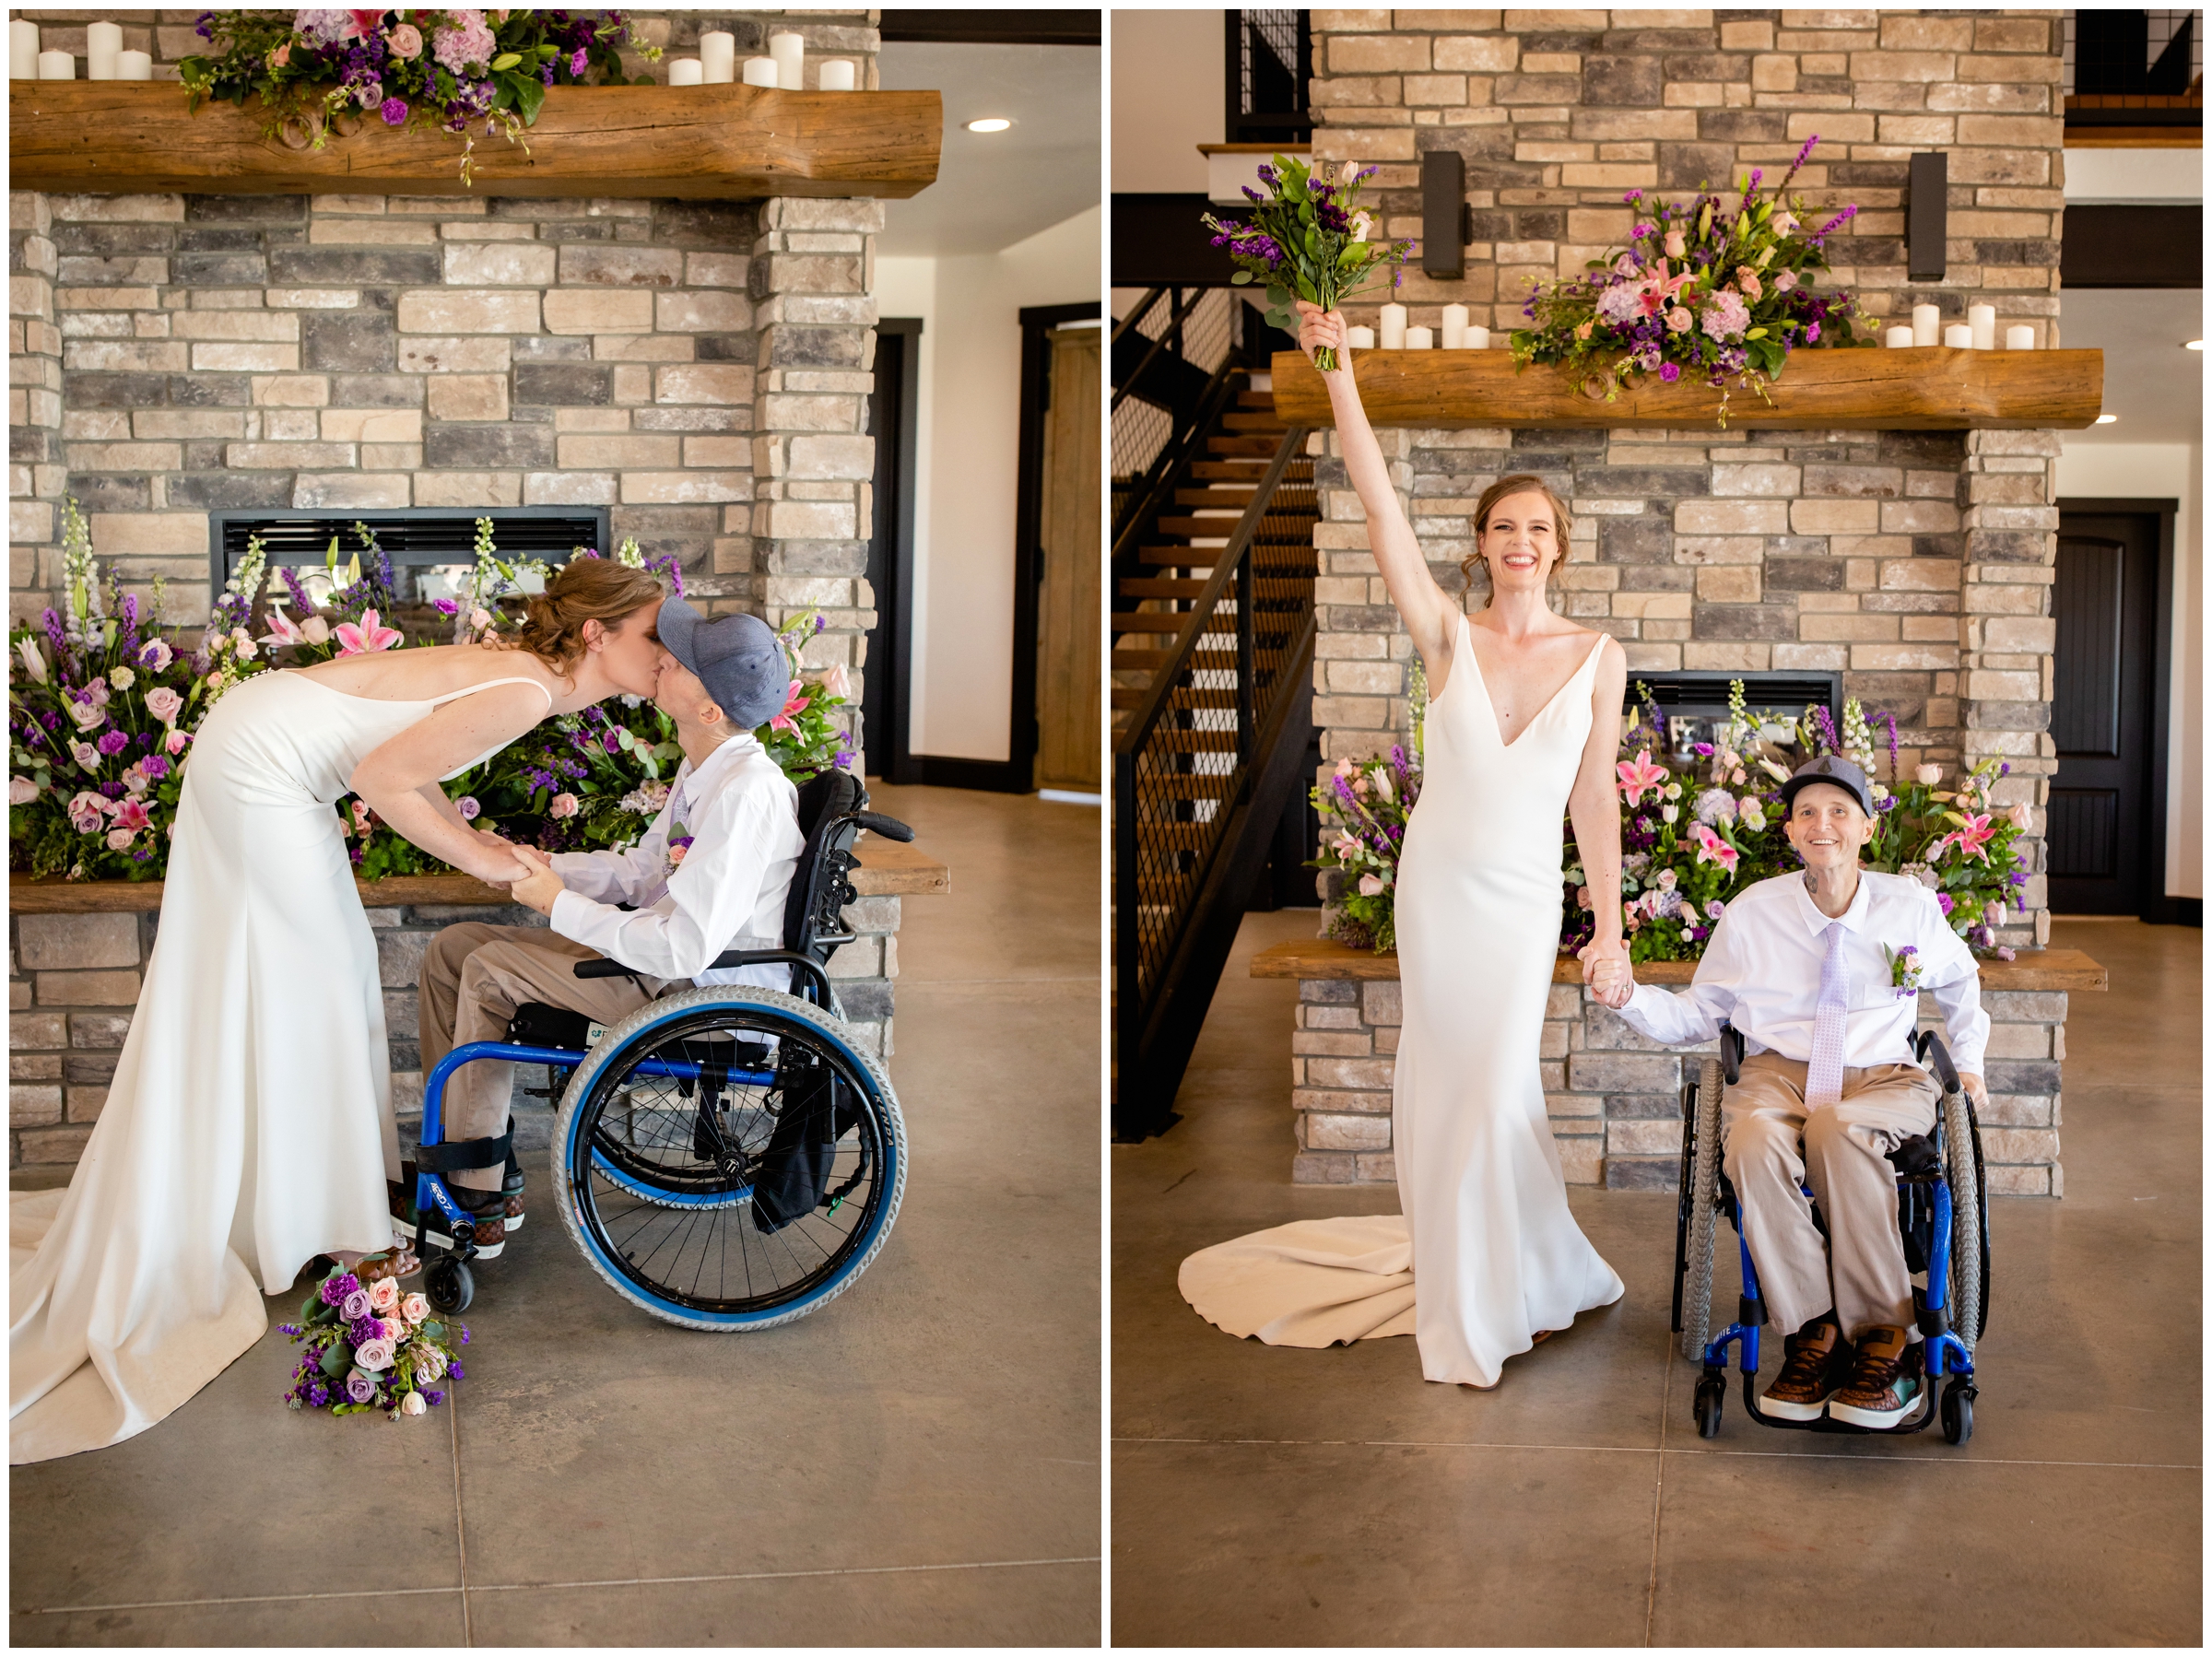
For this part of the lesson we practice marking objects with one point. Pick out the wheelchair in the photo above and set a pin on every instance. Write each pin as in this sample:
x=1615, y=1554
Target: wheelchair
x=727, y=1159
x=1943, y=1214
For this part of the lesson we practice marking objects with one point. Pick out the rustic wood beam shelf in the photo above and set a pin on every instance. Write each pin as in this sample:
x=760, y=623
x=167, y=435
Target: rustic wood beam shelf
x=887, y=869
x=720, y=143
x=1933, y=388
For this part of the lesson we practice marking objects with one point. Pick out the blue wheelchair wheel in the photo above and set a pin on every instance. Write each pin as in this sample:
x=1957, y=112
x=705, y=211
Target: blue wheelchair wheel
x=729, y=1158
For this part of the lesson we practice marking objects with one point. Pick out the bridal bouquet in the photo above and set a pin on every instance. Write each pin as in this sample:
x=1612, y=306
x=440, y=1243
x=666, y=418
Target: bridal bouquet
x=370, y=1347
x=1307, y=241
x=1370, y=801
x=325, y=71
x=1702, y=289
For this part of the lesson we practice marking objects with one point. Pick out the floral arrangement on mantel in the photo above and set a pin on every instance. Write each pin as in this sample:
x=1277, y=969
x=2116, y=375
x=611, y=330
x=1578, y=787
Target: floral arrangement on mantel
x=1694, y=834
x=104, y=700
x=335, y=71
x=1308, y=240
x=1700, y=290
x=370, y=1347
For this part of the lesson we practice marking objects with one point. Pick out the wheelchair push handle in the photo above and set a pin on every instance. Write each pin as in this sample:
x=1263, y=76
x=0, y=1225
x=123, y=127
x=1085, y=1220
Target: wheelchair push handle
x=875, y=822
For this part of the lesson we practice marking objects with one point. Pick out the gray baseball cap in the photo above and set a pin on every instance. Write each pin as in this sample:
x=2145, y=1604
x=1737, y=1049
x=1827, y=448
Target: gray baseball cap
x=1828, y=768
x=736, y=657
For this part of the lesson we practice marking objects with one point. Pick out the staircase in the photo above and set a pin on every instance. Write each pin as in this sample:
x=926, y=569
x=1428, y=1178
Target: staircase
x=1212, y=700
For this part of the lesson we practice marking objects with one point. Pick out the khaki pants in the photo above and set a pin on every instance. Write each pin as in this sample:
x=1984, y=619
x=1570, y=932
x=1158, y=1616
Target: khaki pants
x=1861, y=1270
x=474, y=976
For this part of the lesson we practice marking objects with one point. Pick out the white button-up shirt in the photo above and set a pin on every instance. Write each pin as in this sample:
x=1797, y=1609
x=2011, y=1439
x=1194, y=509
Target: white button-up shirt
x=1762, y=974
x=727, y=893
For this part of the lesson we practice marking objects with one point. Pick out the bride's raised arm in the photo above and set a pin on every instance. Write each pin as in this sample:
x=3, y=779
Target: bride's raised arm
x=399, y=780
x=1432, y=614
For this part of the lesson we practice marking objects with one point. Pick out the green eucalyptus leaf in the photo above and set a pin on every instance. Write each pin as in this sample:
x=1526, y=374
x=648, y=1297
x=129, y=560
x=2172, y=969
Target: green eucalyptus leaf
x=1241, y=279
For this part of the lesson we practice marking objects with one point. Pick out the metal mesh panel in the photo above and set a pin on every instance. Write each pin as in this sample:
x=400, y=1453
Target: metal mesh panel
x=1153, y=411
x=2160, y=29
x=1182, y=774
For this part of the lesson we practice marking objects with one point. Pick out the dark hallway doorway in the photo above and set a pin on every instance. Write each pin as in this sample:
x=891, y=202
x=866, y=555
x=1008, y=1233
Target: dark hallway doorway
x=2113, y=601
x=885, y=691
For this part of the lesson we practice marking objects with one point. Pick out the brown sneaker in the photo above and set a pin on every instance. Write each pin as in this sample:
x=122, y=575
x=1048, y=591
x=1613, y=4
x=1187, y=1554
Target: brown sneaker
x=490, y=1222
x=1817, y=1361
x=1884, y=1387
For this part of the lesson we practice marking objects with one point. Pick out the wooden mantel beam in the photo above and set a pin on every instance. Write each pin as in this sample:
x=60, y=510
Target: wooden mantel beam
x=718, y=143
x=1933, y=388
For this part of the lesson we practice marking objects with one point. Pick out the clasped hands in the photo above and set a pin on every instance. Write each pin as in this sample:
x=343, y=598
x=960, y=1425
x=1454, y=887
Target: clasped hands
x=536, y=885
x=1606, y=972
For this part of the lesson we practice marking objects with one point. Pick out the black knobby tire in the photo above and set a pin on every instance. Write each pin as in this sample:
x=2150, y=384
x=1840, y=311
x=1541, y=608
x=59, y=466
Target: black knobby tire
x=449, y=1285
x=1957, y=1414
x=1962, y=1171
x=840, y=1238
x=1704, y=1213
x=1706, y=1407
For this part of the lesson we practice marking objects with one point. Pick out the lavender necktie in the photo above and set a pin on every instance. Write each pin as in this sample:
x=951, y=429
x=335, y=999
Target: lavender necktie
x=1824, y=1074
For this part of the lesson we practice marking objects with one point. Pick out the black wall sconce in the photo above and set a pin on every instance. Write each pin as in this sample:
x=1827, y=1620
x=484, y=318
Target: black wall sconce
x=1447, y=222
x=1927, y=217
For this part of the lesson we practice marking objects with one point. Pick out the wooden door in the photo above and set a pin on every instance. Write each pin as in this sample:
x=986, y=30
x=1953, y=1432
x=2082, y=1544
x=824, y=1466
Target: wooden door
x=1068, y=732
x=2105, y=602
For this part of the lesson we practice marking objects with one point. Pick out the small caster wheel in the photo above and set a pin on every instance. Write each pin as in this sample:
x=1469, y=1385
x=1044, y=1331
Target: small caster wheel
x=1708, y=1407
x=1957, y=1413
x=450, y=1286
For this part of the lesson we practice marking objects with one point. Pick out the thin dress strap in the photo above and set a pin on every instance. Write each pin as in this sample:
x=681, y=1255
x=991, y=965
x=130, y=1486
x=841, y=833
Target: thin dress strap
x=519, y=678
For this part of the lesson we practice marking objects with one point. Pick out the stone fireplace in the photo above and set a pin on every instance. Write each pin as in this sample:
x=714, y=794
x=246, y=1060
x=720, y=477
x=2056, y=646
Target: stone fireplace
x=1915, y=564
x=695, y=371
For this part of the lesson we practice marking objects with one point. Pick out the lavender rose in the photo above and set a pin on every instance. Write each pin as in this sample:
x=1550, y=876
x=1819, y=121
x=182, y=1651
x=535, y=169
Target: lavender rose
x=360, y=1388
x=355, y=1305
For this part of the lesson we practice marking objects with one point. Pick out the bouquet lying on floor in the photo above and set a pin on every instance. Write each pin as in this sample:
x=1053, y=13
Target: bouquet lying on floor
x=369, y=1347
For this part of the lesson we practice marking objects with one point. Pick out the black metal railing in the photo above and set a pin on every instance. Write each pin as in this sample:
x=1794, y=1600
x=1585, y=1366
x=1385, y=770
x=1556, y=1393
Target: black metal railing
x=1212, y=720
x=1173, y=358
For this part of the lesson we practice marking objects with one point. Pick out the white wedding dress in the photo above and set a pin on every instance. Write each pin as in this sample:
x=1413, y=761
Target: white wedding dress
x=1485, y=1252
x=249, y=1124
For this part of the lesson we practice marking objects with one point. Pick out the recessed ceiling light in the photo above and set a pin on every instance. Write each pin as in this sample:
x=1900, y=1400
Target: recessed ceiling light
x=2192, y=344
x=994, y=124
x=2106, y=420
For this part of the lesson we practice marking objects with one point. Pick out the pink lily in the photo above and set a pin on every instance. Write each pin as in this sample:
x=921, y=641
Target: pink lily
x=1713, y=847
x=1638, y=774
x=1972, y=834
x=282, y=630
x=796, y=703
x=1659, y=290
x=370, y=636
x=131, y=814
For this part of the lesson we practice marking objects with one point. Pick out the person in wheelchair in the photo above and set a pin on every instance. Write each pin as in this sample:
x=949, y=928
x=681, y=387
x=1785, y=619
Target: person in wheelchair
x=1804, y=967
x=710, y=873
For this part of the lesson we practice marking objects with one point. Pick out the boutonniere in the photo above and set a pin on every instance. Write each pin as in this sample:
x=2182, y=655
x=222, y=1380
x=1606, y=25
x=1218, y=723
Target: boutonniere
x=678, y=845
x=1904, y=969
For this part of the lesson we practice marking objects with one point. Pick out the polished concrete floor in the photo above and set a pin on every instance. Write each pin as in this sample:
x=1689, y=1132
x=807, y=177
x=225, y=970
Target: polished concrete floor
x=1269, y=1496
x=917, y=1463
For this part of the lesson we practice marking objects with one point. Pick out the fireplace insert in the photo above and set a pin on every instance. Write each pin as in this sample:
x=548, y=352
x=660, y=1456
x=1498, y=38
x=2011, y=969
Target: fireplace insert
x=1693, y=704
x=416, y=539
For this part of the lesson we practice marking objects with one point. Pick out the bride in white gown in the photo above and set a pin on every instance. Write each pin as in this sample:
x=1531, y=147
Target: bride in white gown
x=249, y=1126
x=1523, y=718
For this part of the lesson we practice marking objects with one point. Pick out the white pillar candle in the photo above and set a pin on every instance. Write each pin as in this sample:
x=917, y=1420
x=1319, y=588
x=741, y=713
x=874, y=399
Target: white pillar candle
x=1362, y=338
x=1982, y=321
x=56, y=65
x=102, y=42
x=1478, y=338
x=790, y=53
x=760, y=71
x=1453, y=336
x=837, y=74
x=1927, y=326
x=1421, y=339
x=1898, y=337
x=1958, y=337
x=685, y=72
x=2019, y=338
x=23, y=50
x=134, y=66
x=718, y=55
x=1393, y=328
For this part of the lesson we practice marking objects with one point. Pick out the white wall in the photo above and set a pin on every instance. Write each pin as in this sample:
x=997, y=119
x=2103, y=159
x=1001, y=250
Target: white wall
x=2166, y=471
x=1167, y=97
x=967, y=456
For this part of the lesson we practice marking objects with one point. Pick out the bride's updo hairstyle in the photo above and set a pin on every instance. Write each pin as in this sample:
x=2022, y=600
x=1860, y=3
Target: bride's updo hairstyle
x=586, y=590
x=1520, y=482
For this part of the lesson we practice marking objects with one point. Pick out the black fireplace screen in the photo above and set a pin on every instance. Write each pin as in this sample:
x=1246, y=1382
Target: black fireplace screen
x=413, y=537
x=1693, y=704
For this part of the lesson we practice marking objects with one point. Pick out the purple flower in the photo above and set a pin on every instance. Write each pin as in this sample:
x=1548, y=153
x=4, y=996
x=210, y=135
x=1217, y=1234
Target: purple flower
x=360, y=1388
x=447, y=607
x=394, y=112
x=1812, y=333
x=154, y=766
x=335, y=1289
x=612, y=743
x=1942, y=901
x=115, y=742
x=1670, y=372
x=433, y=1396
x=577, y=63
x=355, y=1305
